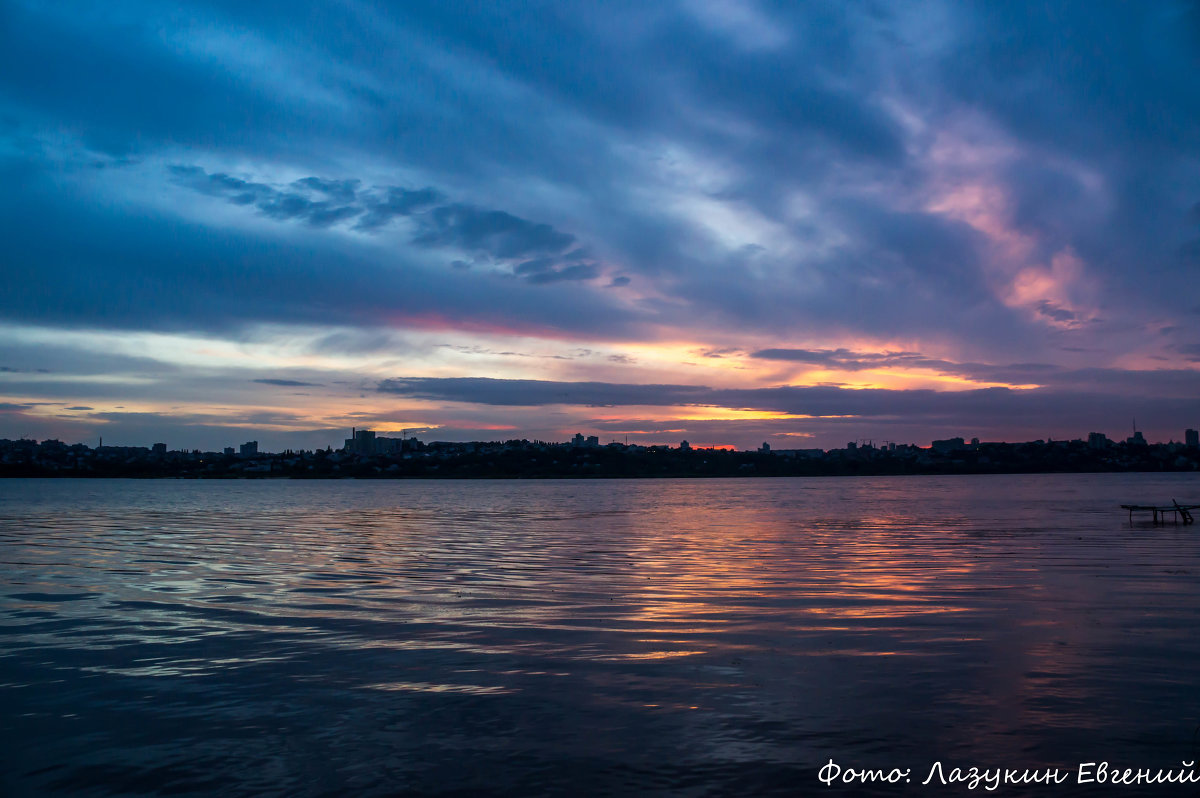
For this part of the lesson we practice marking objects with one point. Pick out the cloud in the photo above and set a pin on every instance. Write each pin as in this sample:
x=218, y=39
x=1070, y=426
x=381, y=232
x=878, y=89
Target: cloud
x=480, y=350
x=496, y=232
x=289, y=383
x=1087, y=398
x=383, y=206
x=459, y=225
x=345, y=191
x=802, y=400
x=282, y=205
x=492, y=233
x=153, y=272
x=485, y=390
x=842, y=359
x=1172, y=382
x=576, y=271
x=839, y=186
x=1056, y=312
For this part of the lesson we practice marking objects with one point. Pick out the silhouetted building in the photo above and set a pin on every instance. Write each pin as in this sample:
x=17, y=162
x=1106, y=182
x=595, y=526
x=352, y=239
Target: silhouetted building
x=1192, y=438
x=388, y=445
x=361, y=441
x=229, y=451
x=949, y=445
x=249, y=449
x=685, y=446
x=765, y=448
x=159, y=449
x=1098, y=440
x=1138, y=439
x=593, y=440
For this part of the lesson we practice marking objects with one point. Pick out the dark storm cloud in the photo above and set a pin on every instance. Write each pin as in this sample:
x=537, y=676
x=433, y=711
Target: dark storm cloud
x=339, y=190
x=1052, y=311
x=338, y=205
x=491, y=391
x=395, y=202
x=1175, y=386
x=814, y=401
x=497, y=234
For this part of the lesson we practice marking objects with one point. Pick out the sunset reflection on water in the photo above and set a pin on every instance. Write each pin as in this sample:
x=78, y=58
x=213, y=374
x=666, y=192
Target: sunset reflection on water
x=611, y=637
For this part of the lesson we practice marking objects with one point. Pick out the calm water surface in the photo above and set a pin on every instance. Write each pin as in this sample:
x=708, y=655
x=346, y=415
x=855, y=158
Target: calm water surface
x=673, y=637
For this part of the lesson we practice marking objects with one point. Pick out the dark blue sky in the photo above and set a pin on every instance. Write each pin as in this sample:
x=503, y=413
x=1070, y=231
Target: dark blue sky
x=723, y=221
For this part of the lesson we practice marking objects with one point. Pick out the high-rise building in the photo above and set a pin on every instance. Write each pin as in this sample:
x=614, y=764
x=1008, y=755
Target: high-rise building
x=249, y=449
x=1192, y=438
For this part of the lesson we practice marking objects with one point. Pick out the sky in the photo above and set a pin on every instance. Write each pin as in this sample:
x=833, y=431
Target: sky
x=726, y=222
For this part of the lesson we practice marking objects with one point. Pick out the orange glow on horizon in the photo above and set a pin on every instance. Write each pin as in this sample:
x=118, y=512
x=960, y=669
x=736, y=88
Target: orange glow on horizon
x=888, y=379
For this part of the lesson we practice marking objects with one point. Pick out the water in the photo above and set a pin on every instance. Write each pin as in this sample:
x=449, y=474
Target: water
x=654, y=637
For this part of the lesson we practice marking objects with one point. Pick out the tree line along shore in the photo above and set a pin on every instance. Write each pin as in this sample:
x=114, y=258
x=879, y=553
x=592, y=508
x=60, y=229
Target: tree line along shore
x=526, y=459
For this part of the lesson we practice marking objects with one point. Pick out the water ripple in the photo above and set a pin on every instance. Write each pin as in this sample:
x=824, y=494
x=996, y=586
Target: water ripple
x=585, y=637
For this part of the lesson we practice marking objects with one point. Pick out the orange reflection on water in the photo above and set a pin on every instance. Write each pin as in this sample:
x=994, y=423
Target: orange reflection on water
x=738, y=570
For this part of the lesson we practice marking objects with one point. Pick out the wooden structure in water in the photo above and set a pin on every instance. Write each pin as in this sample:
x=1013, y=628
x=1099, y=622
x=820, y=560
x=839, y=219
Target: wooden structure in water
x=1180, y=511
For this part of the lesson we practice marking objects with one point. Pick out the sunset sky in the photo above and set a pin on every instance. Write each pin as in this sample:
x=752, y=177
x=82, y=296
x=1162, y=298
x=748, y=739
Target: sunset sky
x=730, y=222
